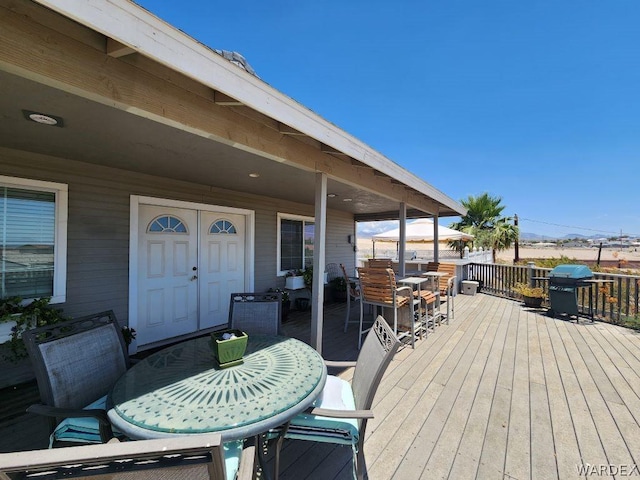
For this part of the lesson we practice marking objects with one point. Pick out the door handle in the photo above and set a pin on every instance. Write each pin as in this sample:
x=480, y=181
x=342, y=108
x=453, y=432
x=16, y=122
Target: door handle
x=195, y=277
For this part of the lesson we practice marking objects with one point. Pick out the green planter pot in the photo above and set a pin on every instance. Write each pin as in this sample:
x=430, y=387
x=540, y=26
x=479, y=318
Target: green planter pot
x=229, y=352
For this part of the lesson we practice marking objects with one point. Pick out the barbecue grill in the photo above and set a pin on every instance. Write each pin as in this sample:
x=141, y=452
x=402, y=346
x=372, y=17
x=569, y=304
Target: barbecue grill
x=564, y=281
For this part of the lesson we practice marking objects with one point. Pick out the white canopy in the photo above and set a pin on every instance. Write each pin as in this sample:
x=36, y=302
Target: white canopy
x=421, y=230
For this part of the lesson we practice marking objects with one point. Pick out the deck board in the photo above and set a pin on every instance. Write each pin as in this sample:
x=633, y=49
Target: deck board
x=501, y=392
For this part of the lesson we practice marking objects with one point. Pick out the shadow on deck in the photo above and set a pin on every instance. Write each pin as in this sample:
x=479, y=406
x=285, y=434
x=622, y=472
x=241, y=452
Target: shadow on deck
x=502, y=392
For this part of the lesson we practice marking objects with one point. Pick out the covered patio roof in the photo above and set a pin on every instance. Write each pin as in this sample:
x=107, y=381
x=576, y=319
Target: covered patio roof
x=136, y=93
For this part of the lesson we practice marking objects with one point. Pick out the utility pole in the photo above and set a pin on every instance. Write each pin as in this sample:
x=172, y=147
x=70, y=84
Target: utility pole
x=517, y=246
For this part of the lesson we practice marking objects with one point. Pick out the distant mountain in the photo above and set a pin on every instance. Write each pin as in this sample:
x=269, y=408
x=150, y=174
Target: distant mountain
x=569, y=236
x=369, y=229
x=534, y=237
x=578, y=235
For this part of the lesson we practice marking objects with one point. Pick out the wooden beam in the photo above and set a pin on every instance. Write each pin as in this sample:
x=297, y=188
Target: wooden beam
x=116, y=49
x=287, y=130
x=330, y=150
x=221, y=99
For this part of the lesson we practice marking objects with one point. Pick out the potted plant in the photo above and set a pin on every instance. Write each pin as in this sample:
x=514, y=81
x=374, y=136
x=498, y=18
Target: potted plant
x=25, y=315
x=532, y=296
x=339, y=289
x=286, y=302
x=294, y=280
x=307, y=276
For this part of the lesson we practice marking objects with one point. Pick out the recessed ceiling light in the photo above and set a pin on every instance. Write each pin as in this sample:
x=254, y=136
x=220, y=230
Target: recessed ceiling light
x=254, y=175
x=347, y=199
x=331, y=195
x=43, y=118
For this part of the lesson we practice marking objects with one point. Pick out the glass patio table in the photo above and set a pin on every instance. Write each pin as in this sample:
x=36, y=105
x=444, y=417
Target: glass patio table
x=182, y=390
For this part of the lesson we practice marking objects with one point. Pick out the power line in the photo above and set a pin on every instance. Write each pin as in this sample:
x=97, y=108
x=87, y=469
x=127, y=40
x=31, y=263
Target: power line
x=577, y=228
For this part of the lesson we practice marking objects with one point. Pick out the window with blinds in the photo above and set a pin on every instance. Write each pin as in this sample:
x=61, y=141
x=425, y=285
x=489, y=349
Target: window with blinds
x=296, y=243
x=28, y=233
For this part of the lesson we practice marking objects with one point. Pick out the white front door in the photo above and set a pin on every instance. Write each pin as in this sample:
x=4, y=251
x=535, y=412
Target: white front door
x=189, y=263
x=222, y=265
x=167, y=265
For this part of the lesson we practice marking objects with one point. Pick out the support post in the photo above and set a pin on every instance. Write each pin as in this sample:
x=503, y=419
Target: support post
x=319, y=249
x=403, y=240
x=436, y=240
x=530, y=266
x=516, y=258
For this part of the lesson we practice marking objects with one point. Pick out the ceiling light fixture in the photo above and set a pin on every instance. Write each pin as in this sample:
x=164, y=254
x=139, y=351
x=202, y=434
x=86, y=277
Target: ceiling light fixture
x=43, y=118
x=347, y=199
x=331, y=195
x=254, y=175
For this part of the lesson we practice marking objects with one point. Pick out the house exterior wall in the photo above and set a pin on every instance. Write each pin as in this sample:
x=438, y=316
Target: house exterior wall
x=98, y=228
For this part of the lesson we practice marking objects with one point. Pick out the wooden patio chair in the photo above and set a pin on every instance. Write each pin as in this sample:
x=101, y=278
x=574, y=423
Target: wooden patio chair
x=257, y=313
x=447, y=286
x=353, y=295
x=380, y=263
x=447, y=283
x=190, y=456
x=378, y=288
x=76, y=363
x=341, y=412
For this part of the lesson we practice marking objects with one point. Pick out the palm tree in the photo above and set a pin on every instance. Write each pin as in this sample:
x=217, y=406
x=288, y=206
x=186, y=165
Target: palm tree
x=484, y=221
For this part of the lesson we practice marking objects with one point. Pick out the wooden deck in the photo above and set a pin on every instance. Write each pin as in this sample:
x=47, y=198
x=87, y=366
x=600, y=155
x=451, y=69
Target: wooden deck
x=500, y=392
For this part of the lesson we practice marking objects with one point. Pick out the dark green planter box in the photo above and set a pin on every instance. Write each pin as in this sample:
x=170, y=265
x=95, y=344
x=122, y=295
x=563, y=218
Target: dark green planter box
x=532, y=302
x=230, y=350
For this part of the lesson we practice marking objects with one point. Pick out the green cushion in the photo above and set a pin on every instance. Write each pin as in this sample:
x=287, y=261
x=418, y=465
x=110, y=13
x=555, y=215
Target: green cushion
x=336, y=395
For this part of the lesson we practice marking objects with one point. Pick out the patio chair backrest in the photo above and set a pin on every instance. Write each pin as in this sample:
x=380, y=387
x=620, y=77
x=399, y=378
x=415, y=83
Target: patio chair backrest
x=257, y=313
x=380, y=263
x=378, y=286
x=376, y=353
x=188, y=456
x=352, y=287
x=77, y=361
x=333, y=271
x=446, y=282
x=433, y=266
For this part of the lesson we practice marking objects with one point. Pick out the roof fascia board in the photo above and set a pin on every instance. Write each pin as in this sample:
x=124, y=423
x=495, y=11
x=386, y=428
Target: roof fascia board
x=64, y=63
x=135, y=27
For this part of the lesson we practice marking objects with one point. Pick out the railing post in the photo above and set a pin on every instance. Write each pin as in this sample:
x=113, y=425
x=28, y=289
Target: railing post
x=531, y=265
x=466, y=252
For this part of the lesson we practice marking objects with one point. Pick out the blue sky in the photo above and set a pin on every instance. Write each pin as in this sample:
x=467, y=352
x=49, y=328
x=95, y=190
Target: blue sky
x=537, y=102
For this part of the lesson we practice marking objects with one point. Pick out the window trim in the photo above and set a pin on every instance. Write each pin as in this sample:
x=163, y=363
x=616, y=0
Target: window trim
x=287, y=216
x=61, y=221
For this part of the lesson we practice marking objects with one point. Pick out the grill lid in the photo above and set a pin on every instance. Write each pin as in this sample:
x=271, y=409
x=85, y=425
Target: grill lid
x=574, y=272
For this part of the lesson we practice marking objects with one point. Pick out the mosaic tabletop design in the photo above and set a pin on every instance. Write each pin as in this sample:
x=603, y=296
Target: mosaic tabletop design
x=181, y=389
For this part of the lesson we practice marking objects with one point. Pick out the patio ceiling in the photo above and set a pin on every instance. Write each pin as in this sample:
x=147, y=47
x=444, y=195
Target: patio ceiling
x=102, y=128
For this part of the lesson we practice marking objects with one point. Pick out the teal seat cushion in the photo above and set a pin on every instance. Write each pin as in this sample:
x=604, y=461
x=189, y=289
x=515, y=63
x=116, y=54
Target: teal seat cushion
x=232, y=453
x=82, y=429
x=336, y=395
